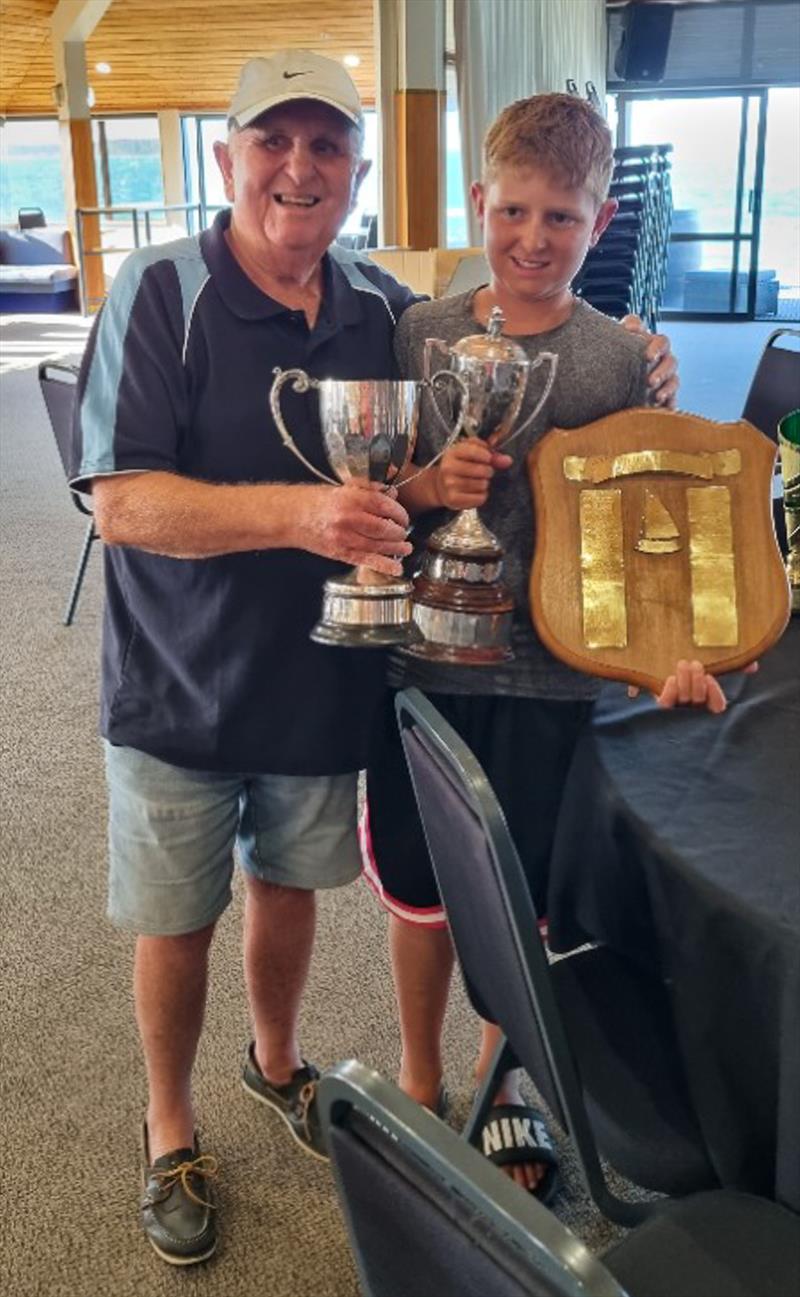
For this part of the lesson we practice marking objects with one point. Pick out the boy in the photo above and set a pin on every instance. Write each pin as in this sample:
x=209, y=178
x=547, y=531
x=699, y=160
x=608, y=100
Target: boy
x=542, y=204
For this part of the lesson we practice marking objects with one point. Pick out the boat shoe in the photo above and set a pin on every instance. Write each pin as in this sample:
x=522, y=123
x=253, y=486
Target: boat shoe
x=295, y=1102
x=178, y=1209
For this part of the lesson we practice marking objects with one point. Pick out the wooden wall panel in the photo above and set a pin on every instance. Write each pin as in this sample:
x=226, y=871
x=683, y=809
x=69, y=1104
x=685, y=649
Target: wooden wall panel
x=420, y=143
x=181, y=54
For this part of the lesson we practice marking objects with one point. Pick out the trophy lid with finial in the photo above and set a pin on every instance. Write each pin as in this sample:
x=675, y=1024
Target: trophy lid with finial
x=491, y=345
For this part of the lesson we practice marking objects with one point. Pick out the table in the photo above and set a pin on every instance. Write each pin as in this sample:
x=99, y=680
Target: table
x=679, y=846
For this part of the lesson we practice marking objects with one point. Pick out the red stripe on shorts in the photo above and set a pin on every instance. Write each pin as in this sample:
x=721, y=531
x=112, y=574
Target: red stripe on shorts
x=431, y=916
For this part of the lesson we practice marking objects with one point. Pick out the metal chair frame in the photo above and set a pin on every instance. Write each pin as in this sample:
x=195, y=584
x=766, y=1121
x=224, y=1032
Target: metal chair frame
x=49, y=372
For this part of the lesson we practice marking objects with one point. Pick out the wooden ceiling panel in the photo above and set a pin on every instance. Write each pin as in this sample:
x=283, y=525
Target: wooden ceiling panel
x=24, y=29
x=185, y=54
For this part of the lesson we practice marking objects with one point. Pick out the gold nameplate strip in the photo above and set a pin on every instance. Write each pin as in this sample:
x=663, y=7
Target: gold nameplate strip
x=715, y=620
x=605, y=622
x=601, y=468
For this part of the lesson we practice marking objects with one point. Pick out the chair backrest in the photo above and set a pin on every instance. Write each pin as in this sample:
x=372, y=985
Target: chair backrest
x=775, y=389
x=30, y=218
x=429, y=1216
x=493, y=921
x=58, y=381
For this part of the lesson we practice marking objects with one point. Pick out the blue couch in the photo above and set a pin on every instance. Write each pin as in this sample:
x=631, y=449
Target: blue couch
x=37, y=271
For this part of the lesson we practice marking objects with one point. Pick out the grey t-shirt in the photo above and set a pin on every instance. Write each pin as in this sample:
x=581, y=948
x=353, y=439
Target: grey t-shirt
x=601, y=369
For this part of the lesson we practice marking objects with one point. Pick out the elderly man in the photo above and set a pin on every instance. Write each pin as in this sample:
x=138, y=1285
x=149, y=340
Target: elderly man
x=224, y=724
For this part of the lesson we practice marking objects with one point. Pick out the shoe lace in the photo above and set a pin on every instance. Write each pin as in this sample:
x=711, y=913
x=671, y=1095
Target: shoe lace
x=206, y=1167
x=304, y=1101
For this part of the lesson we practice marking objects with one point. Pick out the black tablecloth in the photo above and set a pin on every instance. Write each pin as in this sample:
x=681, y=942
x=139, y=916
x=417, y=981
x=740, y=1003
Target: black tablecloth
x=679, y=845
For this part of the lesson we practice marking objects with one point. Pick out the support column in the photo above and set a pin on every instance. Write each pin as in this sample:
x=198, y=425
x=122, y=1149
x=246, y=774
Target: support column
x=410, y=39
x=71, y=24
x=169, y=134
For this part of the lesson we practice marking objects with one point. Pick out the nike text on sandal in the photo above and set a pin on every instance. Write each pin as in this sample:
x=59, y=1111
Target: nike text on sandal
x=295, y=1102
x=514, y=1135
x=178, y=1210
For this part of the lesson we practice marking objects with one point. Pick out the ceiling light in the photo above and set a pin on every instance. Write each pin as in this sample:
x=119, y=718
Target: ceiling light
x=351, y=60
x=105, y=68
x=90, y=99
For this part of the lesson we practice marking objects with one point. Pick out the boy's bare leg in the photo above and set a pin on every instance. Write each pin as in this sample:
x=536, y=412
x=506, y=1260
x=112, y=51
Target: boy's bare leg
x=422, y=962
x=278, y=940
x=529, y=1174
x=169, y=984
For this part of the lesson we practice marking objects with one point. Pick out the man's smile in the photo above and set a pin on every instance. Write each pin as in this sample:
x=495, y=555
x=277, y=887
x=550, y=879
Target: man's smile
x=296, y=200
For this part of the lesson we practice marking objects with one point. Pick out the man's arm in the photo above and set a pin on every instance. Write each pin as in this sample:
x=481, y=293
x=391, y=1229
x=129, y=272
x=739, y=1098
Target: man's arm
x=165, y=513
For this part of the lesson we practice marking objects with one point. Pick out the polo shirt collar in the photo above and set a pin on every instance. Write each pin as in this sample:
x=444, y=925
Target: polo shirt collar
x=340, y=304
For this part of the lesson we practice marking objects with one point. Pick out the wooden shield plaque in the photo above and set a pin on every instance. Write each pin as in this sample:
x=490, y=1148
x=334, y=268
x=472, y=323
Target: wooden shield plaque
x=655, y=542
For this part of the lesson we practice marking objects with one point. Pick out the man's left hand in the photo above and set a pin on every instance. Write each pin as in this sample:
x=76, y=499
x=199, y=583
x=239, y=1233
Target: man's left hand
x=663, y=367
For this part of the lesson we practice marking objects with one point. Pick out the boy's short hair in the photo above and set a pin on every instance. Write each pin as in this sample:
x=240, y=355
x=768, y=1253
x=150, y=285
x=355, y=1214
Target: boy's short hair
x=561, y=133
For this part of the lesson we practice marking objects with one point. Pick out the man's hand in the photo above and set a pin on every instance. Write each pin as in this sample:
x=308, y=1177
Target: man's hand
x=358, y=523
x=663, y=376
x=465, y=472
x=691, y=684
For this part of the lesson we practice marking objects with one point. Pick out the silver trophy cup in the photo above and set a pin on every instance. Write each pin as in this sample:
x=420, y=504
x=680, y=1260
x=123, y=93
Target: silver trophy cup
x=369, y=430
x=461, y=604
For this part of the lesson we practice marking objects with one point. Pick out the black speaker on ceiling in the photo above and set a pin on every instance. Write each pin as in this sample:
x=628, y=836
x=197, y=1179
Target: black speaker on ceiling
x=642, y=53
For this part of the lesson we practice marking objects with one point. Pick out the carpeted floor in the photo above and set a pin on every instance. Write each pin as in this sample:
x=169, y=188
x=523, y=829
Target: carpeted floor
x=71, y=1080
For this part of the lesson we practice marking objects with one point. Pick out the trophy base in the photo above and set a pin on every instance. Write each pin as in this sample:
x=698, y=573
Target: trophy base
x=366, y=610
x=468, y=625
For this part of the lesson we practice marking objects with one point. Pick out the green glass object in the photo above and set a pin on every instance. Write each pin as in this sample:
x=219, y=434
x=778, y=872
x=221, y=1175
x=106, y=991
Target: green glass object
x=789, y=443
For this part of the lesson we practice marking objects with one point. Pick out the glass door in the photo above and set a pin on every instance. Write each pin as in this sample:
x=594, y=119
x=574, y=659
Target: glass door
x=778, y=247
x=717, y=166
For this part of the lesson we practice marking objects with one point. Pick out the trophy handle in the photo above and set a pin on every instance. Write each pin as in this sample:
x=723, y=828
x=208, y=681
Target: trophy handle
x=302, y=383
x=431, y=345
x=443, y=375
x=552, y=357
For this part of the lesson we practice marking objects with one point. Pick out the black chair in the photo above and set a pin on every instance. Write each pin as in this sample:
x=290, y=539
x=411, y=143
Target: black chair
x=30, y=218
x=775, y=389
x=58, y=382
x=594, y=1033
x=428, y=1216
x=775, y=392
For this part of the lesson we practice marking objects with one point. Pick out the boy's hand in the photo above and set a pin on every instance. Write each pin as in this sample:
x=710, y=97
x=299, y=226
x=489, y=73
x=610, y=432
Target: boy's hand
x=663, y=378
x=692, y=684
x=465, y=472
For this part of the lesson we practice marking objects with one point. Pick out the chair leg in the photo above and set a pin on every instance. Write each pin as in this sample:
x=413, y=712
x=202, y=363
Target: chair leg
x=72, y=602
x=504, y=1061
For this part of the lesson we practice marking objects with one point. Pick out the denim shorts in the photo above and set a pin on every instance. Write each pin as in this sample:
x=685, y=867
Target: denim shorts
x=172, y=833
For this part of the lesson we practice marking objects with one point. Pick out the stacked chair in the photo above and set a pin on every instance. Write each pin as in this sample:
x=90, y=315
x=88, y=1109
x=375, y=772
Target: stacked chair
x=626, y=273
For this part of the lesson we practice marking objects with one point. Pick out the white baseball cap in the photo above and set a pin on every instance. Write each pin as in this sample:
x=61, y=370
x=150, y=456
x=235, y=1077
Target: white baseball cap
x=288, y=75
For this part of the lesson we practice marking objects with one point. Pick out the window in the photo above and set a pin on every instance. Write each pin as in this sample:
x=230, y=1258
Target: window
x=128, y=161
x=30, y=169
x=457, y=234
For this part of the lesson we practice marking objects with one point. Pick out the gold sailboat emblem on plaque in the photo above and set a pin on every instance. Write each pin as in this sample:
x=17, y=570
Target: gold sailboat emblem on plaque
x=659, y=534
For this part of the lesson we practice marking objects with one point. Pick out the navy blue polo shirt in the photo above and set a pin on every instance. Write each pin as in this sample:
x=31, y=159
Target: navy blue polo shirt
x=207, y=663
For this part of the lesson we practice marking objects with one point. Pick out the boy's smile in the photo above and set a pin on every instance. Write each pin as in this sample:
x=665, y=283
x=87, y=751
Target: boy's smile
x=537, y=231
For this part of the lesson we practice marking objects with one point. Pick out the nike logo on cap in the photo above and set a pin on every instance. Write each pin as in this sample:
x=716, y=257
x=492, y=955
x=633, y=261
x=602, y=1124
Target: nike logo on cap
x=288, y=75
